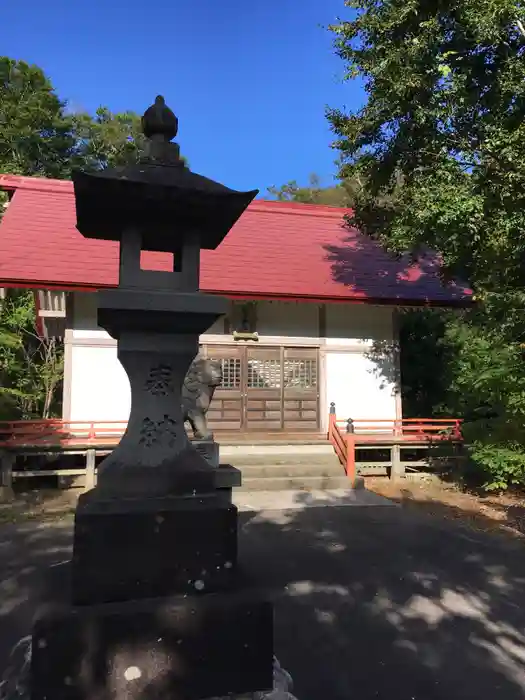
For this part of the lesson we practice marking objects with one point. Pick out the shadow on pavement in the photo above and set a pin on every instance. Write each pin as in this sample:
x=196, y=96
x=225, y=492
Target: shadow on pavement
x=27, y=551
x=482, y=510
x=371, y=603
x=388, y=604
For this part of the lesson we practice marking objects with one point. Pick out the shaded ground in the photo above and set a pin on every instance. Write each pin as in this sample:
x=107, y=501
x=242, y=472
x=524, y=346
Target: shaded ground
x=39, y=505
x=482, y=511
x=488, y=512
x=27, y=550
x=371, y=603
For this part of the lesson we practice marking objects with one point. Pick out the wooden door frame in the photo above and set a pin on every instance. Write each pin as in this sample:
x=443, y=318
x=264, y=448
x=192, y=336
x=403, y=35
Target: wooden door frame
x=321, y=373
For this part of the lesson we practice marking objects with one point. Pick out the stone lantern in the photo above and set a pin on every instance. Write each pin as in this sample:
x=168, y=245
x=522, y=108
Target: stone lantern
x=158, y=608
x=157, y=317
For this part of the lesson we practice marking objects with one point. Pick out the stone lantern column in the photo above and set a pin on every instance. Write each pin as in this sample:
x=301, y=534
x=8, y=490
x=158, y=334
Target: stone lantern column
x=156, y=608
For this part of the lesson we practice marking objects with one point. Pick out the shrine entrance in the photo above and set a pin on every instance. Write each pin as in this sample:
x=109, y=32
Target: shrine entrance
x=265, y=389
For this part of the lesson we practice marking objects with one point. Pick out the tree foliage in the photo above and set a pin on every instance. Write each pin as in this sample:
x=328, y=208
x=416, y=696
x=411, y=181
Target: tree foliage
x=446, y=100
x=439, y=149
x=40, y=137
x=31, y=366
x=35, y=136
x=340, y=195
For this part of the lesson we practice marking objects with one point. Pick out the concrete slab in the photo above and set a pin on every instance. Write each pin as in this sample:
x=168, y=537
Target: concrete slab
x=298, y=500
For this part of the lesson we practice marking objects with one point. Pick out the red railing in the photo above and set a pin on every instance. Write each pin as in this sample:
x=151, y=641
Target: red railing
x=58, y=432
x=341, y=433
x=343, y=445
x=346, y=435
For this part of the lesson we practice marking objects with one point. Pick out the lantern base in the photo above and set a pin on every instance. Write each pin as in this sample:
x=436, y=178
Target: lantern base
x=178, y=648
x=127, y=549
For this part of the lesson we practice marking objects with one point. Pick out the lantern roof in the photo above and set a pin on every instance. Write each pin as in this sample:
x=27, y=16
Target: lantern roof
x=159, y=195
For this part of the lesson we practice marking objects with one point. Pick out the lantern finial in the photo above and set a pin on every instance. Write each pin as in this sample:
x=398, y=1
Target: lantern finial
x=159, y=122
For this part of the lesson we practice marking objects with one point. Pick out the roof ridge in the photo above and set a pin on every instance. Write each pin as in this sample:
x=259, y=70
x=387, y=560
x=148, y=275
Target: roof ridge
x=45, y=184
x=300, y=208
x=27, y=182
x=309, y=255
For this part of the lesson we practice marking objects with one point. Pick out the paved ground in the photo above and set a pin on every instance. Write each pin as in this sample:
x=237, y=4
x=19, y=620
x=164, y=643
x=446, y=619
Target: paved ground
x=298, y=500
x=371, y=603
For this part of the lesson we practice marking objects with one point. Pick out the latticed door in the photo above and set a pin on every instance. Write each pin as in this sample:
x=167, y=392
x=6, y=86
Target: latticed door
x=227, y=408
x=263, y=389
x=300, y=389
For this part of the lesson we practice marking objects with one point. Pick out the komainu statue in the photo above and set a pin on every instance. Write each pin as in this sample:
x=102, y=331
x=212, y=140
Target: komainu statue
x=202, y=378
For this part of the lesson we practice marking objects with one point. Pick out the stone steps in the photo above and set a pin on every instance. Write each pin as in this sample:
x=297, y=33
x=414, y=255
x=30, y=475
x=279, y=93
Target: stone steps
x=284, y=468
x=256, y=460
x=273, y=471
x=294, y=483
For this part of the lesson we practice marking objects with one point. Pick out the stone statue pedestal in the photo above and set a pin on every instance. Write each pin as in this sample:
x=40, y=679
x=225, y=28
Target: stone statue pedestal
x=209, y=449
x=159, y=608
x=227, y=477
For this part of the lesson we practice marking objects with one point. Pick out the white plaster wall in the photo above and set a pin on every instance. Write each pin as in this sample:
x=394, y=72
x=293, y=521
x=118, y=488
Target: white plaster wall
x=84, y=322
x=358, y=324
x=292, y=319
x=100, y=389
x=358, y=387
x=85, y=318
x=346, y=324
x=99, y=385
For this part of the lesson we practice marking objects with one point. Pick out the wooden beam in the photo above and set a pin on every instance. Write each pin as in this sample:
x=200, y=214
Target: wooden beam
x=398, y=470
x=91, y=478
x=7, y=460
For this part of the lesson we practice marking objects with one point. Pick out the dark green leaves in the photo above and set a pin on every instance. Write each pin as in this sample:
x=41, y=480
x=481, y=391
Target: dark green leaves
x=38, y=136
x=439, y=149
x=446, y=85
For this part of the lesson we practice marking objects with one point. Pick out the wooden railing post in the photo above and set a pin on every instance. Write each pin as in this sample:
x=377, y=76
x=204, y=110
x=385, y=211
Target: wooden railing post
x=331, y=421
x=397, y=471
x=90, y=470
x=350, y=428
x=7, y=460
x=350, y=457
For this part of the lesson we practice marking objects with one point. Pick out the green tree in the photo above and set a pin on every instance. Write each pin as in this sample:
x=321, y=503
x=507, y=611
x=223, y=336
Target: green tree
x=39, y=137
x=340, y=195
x=440, y=150
x=31, y=366
x=36, y=138
x=446, y=101
x=106, y=139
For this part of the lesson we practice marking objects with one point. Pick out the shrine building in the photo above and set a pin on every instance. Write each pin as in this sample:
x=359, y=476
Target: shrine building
x=312, y=318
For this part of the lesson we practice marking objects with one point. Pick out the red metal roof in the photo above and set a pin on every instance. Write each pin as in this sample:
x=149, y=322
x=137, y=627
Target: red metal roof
x=277, y=249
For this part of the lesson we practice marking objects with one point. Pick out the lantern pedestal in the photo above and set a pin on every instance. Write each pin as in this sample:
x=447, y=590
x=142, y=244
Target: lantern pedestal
x=177, y=648
x=158, y=337
x=128, y=549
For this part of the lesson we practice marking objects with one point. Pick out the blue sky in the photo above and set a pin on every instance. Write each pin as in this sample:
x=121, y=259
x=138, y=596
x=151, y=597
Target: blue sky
x=249, y=80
